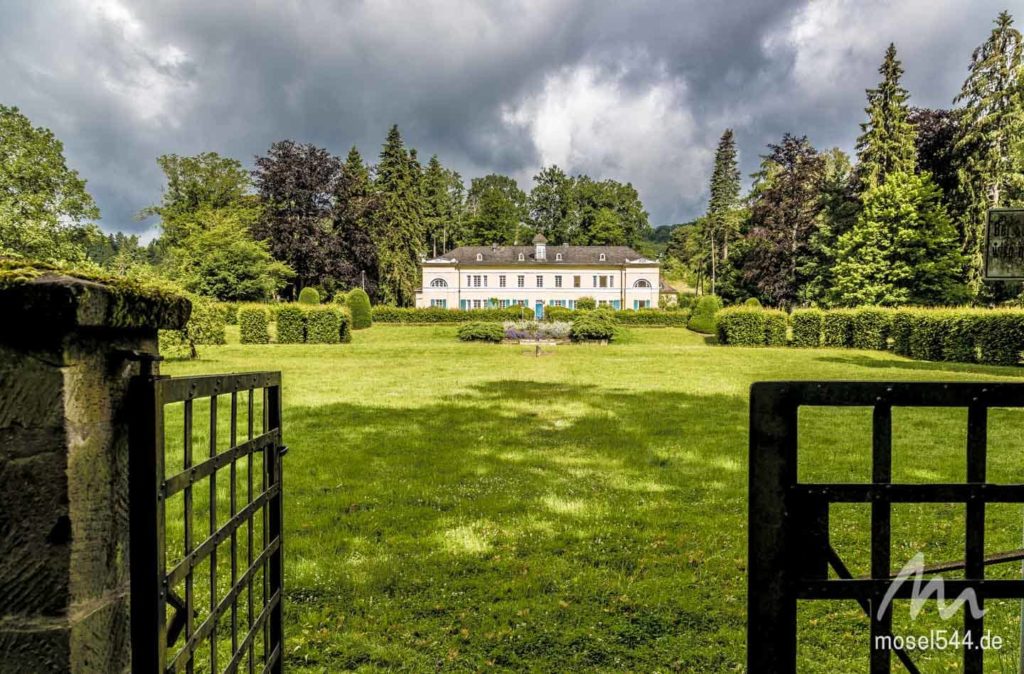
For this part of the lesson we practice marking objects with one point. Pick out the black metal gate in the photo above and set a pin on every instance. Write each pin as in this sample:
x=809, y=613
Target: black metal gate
x=206, y=524
x=788, y=539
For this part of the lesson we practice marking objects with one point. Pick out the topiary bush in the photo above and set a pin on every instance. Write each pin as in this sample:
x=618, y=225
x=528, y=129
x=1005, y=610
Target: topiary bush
x=206, y=324
x=481, y=331
x=741, y=326
x=586, y=304
x=309, y=295
x=358, y=303
x=323, y=325
x=753, y=302
x=291, y=325
x=254, y=325
x=676, y=318
x=807, y=327
x=870, y=328
x=1000, y=337
x=837, y=328
x=592, y=326
x=231, y=313
x=900, y=332
x=702, y=318
x=776, y=327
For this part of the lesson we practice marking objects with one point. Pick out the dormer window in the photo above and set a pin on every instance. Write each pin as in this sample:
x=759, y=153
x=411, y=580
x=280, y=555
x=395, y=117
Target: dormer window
x=521, y=257
x=558, y=257
x=602, y=257
x=479, y=257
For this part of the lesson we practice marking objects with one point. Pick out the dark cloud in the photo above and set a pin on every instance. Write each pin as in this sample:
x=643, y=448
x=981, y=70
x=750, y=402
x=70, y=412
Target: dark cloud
x=634, y=91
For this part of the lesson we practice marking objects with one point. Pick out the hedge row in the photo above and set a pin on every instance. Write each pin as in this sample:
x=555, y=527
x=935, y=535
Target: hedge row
x=296, y=324
x=988, y=336
x=385, y=314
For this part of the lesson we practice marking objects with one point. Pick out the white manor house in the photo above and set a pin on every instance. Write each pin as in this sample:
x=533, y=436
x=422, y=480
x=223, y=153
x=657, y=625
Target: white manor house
x=479, y=277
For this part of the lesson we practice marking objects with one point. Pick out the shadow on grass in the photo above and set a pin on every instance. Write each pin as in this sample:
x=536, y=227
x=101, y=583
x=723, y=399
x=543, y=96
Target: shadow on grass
x=928, y=366
x=518, y=524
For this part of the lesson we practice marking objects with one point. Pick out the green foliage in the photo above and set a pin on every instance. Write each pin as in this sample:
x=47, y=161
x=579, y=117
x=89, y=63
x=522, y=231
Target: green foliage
x=902, y=324
x=498, y=209
x=776, y=324
x=398, y=225
x=652, y=317
x=751, y=326
x=309, y=295
x=752, y=302
x=959, y=336
x=323, y=325
x=358, y=303
x=254, y=325
x=386, y=314
x=870, y=328
x=231, y=313
x=1000, y=337
x=886, y=145
x=481, y=331
x=291, y=325
x=586, y=304
x=206, y=325
x=341, y=299
x=43, y=203
x=702, y=319
x=902, y=249
x=345, y=326
x=591, y=326
x=837, y=328
x=807, y=327
x=926, y=334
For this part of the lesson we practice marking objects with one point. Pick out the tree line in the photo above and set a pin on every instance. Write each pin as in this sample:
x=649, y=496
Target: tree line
x=902, y=224
x=302, y=217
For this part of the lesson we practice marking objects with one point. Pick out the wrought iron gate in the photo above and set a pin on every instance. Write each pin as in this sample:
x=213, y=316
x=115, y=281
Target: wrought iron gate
x=788, y=538
x=206, y=524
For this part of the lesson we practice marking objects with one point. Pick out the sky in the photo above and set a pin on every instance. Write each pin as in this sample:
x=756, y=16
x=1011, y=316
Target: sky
x=635, y=91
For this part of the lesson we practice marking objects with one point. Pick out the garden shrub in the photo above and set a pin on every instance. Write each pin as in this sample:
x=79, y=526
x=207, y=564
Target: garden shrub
x=776, y=324
x=1000, y=337
x=206, y=324
x=958, y=336
x=358, y=303
x=753, y=302
x=741, y=326
x=291, y=325
x=901, y=325
x=231, y=313
x=702, y=319
x=926, y=328
x=386, y=314
x=537, y=329
x=309, y=295
x=253, y=324
x=323, y=325
x=837, y=328
x=586, y=304
x=870, y=328
x=807, y=327
x=590, y=326
x=341, y=299
x=555, y=313
x=653, y=317
x=481, y=331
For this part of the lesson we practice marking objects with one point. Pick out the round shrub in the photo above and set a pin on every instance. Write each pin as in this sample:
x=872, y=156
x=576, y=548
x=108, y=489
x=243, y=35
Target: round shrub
x=807, y=327
x=591, y=326
x=480, y=331
x=323, y=325
x=309, y=295
x=358, y=303
x=870, y=327
x=586, y=304
x=291, y=325
x=702, y=318
x=752, y=302
x=253, y=325
x=837, y=328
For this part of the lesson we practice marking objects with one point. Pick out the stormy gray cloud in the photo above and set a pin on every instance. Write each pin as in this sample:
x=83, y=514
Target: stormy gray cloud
x=639, y=92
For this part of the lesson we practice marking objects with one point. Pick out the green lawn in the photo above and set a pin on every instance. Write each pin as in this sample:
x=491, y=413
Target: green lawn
x=465, y=507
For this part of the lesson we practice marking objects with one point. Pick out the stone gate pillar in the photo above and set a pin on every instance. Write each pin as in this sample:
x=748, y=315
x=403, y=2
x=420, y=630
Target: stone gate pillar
x=68, y=349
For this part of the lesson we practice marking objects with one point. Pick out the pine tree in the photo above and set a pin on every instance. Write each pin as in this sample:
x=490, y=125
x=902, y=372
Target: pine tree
x=398, y=229
x=723, y=206
x=990, y=144
x=442, y=204
x=902, y=249
x=840, y=207
x=355, y=204
x=886, y=144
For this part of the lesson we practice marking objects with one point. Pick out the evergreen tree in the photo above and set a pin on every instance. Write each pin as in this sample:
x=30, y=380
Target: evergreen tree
x=442, y=203
x=723, y=206
x=903, y=248
x=398, y=228
x=355, y=203
x=840, y=205
x=990, y=143
x=886, y=144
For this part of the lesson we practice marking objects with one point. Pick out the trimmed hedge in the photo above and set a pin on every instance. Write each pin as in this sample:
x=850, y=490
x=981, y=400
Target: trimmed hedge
x=253, y=323
x=345, y=326
x=676, y=318
x=309, y=296
x=291, y=325
x=870, y=328
x=751, y=326
x=837, y=328
x=481, y=331
x=231, y=313
x=386, y=314
x=323, y=325
x=926, y=328
x=1000, y=336
x=807, y=327
x=358, y=303
x=901, y=326
x=206, y=324
x=702, y=319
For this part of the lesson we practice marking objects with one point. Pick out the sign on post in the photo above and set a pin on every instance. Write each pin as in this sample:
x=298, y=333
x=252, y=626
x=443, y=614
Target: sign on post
x=1004, y=244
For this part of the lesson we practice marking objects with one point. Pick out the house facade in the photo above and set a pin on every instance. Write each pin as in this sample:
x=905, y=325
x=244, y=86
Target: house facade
x=538, y=276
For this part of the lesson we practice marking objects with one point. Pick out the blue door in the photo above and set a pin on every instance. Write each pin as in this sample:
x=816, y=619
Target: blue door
x=539, y=310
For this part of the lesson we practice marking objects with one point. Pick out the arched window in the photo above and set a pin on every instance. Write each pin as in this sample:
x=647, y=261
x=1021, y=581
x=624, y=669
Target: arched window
x=479, y=257
x=602, y=258
x=558, y=257
x=521, y=257
x=439, y=283
x=642, y=283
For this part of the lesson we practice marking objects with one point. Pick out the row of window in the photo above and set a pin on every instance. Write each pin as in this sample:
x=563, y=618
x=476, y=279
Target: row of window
x=558, y=257
x=468, y=305
x=598, y=281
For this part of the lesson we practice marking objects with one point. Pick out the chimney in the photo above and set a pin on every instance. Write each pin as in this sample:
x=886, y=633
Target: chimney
x=541, y=246
x=494, y=247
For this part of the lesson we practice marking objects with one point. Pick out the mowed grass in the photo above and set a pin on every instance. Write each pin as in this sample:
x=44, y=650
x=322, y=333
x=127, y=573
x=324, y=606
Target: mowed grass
x=466, y=507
